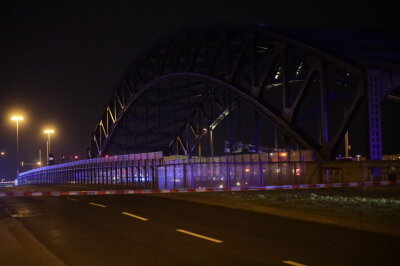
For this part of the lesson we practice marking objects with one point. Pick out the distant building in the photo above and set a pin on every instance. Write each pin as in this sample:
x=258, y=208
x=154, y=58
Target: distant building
x=392, y=157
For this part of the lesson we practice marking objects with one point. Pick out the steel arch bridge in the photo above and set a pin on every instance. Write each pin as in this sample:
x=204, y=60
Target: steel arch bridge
x=311, y=84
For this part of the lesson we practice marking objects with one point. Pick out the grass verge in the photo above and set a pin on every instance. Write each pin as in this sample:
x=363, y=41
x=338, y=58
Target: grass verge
x=368, y=208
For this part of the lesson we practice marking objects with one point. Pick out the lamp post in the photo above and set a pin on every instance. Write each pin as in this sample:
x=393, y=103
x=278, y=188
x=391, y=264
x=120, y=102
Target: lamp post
x=48, y=132
x=17, y=118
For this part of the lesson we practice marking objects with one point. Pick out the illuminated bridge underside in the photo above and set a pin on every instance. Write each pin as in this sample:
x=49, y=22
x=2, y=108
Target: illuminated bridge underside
x=190, y=84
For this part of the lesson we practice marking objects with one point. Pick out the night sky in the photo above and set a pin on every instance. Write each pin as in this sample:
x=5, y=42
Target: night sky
x=59, y=61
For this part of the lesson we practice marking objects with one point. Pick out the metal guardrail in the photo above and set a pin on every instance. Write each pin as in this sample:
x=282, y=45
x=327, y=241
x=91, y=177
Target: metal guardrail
x=153, y=171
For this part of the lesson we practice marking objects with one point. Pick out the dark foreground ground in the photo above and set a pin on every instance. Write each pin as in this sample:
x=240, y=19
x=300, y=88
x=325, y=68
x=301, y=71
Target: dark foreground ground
x=142, y=230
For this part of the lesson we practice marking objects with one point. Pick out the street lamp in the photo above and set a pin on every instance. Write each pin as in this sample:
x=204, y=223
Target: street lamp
x=48, y=132
x=17, y=118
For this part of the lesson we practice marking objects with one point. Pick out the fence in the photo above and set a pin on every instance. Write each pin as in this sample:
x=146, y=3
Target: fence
x=348, y=171
x=152, y=170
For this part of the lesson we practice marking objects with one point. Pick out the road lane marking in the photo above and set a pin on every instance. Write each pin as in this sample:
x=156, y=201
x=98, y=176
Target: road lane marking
x=73, y=199
x=135, y=216
x=290, y=262
x=98, y=205
x=200, y=236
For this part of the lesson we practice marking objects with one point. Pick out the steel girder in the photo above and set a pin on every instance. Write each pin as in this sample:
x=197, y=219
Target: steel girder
x=285, y=80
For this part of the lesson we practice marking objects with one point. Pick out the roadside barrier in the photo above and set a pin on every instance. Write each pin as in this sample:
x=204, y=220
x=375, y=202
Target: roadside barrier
x=184, y=190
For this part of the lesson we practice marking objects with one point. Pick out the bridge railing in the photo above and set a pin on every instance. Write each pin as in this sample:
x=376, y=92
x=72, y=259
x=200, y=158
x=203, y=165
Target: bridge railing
x=152, y=170
x=108, y=171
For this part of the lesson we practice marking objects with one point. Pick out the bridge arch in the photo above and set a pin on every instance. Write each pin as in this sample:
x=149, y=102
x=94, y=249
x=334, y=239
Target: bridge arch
x=299, y=87
x=212, y=82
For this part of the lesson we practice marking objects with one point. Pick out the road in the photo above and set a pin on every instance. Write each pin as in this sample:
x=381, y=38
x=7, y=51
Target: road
x=150, y=230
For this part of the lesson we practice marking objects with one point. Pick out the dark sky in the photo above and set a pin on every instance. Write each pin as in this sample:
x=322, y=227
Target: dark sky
x=59, y=60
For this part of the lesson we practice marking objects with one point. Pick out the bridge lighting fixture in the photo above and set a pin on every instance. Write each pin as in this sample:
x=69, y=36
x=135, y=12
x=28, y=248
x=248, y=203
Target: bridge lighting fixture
x=278, y=73
x=299, y=69
x=262, y=49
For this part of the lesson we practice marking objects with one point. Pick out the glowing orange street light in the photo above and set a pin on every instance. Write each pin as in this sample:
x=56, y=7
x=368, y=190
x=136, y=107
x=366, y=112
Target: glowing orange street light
x=17, y=118
x=48, y=132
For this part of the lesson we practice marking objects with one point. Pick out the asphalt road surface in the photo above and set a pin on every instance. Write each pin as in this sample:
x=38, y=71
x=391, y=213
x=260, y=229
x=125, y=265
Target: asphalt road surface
x=149, y=230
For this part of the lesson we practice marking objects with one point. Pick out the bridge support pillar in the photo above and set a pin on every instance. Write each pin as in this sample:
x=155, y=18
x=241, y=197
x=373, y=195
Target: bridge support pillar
x=374, y=115
x=379, y=84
